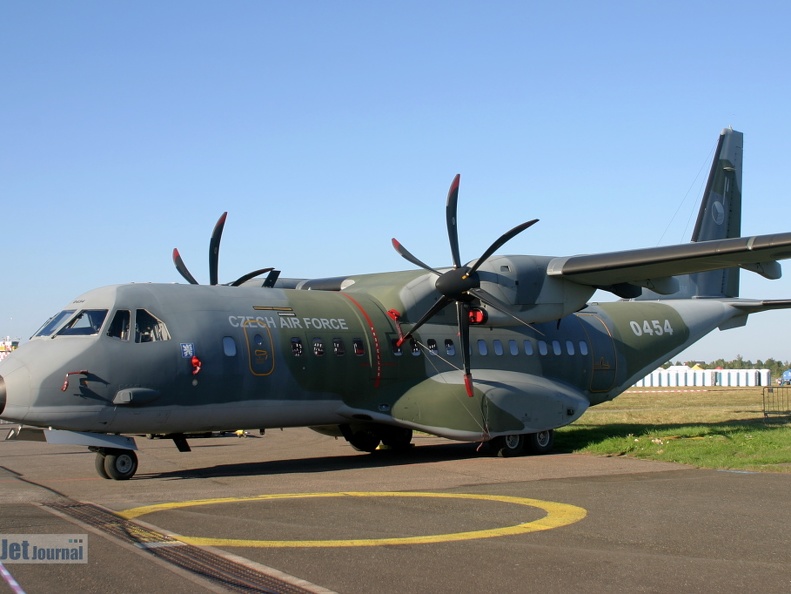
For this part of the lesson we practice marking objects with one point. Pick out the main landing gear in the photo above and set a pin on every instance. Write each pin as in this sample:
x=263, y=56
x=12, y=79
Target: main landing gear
x=368, y=438
x=119, y=465
x=509, y=446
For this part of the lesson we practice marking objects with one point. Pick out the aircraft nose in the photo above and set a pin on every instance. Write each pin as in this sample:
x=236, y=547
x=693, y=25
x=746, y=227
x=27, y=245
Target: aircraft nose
x=2, y=395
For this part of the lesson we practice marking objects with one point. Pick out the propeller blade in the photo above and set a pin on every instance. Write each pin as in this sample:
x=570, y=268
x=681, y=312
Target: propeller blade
x=451, y=209
x=460, y=284
x=505, y=237
x=214, y=249
x=181, y=267
x=407, y=255
x=271, y=279
x=438, y=306
x=464, y=338
x=249, y=275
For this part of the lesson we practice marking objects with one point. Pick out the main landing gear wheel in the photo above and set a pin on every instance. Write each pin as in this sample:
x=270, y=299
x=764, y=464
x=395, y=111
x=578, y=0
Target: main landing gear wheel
x=541, y=442
x=509, y=446
x=100, y=466
x=364, y=441
x=398, y=439
x=119, y=465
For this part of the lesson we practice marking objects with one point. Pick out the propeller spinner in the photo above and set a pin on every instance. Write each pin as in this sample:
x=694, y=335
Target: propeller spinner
x=214, y=261
x=461, y=284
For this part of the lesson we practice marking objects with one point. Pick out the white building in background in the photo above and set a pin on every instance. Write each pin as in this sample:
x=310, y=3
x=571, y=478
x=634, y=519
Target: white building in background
x=680, y=375
x=7, y=346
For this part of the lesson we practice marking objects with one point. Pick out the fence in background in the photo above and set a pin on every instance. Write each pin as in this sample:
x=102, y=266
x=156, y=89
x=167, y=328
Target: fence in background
x=777, y=400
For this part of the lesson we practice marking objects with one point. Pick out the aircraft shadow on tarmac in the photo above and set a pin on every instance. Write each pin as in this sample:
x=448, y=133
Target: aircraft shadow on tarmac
x=566, y=442
x=424, y=454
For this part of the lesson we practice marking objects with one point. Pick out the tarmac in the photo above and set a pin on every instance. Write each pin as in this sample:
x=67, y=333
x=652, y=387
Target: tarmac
x=295, y=511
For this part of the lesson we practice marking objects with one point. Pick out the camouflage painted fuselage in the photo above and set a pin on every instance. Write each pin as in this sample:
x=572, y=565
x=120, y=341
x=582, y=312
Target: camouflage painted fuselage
x=275, y=358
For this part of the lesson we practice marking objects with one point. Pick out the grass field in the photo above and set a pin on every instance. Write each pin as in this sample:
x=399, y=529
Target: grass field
x=722, y=428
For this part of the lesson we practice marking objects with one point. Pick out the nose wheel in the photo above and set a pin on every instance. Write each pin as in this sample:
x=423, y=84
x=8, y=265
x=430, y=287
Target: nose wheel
x=119, y=465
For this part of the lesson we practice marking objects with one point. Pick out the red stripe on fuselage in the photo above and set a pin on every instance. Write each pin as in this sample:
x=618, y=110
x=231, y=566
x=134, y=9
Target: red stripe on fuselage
x=374, y=338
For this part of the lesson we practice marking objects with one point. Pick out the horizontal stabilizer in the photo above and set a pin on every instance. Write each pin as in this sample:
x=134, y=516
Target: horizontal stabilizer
x=751, y=306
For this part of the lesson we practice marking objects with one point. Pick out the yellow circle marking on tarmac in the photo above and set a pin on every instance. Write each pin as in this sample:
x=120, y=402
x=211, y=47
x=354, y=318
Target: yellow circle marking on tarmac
x=558, y=514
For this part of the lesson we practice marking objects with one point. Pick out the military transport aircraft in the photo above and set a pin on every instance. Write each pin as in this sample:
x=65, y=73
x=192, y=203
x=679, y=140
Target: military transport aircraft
x=503, y=349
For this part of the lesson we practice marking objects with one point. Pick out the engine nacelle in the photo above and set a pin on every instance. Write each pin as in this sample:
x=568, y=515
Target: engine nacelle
x=520, y=281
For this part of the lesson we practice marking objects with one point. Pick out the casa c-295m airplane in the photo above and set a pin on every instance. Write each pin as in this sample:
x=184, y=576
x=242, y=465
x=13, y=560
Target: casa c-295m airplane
x=503, y=349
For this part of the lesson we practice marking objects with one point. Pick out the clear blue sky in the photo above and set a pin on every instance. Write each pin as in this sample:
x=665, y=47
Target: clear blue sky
x=326, y=128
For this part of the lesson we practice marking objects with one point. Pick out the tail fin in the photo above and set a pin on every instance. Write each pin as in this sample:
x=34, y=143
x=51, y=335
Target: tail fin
x=720, y=215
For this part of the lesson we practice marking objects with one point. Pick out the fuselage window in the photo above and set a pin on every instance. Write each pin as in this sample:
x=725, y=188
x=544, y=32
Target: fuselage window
x=415, y=348
x=528, y=347
x=513, y=347
x=318, y=347
x=52, y=324
x=296, y=347
x=482, y=348
x=450, y=348
x=432, y=346
x=542, y=347
x=397, y=349
x=338, y=347
x=85, y=323
x=359, y=347
x=149, y=328
x=119, y=327
x=498, y=347
x=583, y=347
x=569, y=347
x=556, y=347
x=229, y=344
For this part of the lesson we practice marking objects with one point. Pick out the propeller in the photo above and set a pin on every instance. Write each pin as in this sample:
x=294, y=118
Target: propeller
x=461, y=284
x=214, y=262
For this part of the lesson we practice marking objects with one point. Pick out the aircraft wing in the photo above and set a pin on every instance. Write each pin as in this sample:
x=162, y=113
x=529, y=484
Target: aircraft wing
x=652, y=267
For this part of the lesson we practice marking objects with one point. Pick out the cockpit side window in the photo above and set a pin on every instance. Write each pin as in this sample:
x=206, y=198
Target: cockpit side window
x=149, y=328
x=85, y=323
x=119, y=327
x=54, y=322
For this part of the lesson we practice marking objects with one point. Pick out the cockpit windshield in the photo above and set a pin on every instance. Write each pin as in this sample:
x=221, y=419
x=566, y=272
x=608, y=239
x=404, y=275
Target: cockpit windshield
x=53, y=323
x=85, y=323
x=89, y=322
